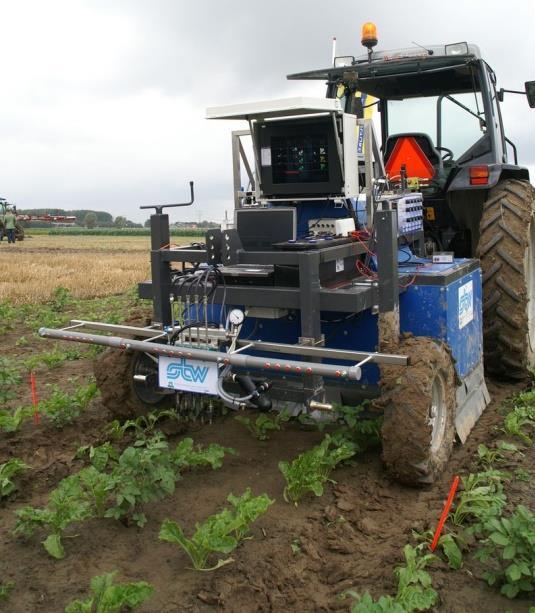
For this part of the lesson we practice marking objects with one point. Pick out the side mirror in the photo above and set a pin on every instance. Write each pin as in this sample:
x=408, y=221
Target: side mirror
x=530, y=93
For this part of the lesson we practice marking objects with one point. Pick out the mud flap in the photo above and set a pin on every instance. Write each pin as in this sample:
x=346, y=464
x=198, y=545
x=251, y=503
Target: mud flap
x=472, y=398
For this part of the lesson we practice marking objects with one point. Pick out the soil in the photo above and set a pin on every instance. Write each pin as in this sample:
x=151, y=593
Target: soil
x=351, y=538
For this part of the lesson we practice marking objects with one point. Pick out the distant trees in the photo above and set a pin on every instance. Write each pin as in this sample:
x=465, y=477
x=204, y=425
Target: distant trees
x=90, y=219
x=120, y=221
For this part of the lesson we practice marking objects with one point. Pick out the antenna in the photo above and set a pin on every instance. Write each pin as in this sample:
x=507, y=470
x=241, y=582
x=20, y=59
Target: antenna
x=334, y=49
x=429, y=51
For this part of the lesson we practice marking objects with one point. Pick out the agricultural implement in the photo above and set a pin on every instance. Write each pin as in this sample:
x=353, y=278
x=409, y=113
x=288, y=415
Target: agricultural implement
x=349, y=274
x=21, y=217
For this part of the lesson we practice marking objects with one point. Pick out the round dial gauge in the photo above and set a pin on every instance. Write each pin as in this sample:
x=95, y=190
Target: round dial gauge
x=236, y=317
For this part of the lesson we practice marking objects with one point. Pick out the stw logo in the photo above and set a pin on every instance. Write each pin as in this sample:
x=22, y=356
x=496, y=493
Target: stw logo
x=187, y=372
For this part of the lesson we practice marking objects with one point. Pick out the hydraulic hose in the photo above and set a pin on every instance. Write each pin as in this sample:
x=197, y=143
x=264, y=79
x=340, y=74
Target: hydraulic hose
x=233, y=402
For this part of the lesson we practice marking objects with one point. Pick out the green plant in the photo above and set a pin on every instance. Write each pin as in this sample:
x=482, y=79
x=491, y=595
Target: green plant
x=100, y=455
x=148, y=471
x=7, y=471
x=11, y=421
x=482, y=497
x=414, y=592
x=145, y=425
x=5, y=590
x=22, y=342
x=263, y=424
x=515, y=422
x=52, y=358
x=8, y=314
x=447, y=543
x=509, y=550
x=67, y=504
x=220, y=533
x=10, y=379
x=63, y=408
x=107, y=597
x=489, y=456
x=61, y=297
x=310, y=470
x=523, y=475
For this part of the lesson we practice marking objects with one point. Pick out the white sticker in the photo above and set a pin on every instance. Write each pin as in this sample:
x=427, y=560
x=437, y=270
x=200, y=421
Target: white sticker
x=466, y=304
x=265, y=156
x=188, y=375
x=339, y=266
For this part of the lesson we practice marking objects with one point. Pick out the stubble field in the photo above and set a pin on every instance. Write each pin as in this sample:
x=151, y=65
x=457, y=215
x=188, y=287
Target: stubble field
x=302, y=557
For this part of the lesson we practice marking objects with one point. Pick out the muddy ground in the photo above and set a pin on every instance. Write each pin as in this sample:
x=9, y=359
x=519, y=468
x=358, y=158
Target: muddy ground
x=351, y=538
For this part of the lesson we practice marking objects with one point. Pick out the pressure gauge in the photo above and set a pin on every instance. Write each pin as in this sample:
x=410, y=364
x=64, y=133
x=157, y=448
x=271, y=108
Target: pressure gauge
x=236, y=317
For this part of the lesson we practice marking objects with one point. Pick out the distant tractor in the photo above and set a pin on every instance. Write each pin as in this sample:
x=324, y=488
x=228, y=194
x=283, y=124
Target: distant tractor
x=442, y=133
x=22, y=217
x=4, y=208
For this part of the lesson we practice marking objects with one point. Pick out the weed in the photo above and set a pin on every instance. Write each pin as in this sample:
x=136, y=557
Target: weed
x=220, y=533
x=107, y=597
x=8, y=470
x=52, y=358
x=487, y=457
x=263, y=424
x=523, y=475
x=22, y=342
x=10, y=379
x=414, y=592
x=5, y=590
x=8, y=314
x=63, y=408
x=509, y=549
x=310, y=470
x=99, y=456
x=67, y=504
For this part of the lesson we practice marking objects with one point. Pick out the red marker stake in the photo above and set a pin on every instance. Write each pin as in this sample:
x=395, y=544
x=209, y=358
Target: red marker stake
x=35, y=401
x=445, y=512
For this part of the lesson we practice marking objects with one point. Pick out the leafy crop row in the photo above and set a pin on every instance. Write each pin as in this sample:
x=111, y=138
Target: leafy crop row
x=219, y=533
x=115, y=486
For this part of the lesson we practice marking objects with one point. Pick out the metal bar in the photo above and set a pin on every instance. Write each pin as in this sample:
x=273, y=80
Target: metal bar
x=236, y=168
x=241, y=360
x=245, y=161
x=183, y=255
x=116, y=328
x=160, y=269
x=326, y=353
x=387, y=259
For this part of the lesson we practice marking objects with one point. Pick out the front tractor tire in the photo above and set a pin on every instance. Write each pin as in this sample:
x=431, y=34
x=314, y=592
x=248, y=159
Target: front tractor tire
x=419, y=412
x=120, y=393
x=507, y=253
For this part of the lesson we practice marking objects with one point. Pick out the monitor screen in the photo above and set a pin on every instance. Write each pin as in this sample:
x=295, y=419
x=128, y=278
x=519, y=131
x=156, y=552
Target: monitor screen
x=299, y=157
x=259, y=229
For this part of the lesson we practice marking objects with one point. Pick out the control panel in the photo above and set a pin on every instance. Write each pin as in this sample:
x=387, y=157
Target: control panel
x=410, y=214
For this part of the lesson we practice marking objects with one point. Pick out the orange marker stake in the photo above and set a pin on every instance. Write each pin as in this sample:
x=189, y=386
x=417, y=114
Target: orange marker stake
x=35, y=401
x=445, y=511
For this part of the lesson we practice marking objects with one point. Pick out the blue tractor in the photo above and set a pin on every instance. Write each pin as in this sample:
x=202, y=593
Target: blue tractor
x=333, y=287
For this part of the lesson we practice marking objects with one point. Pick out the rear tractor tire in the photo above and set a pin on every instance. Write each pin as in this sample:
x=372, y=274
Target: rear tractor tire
x=419, y=412
x=120, y=393
x=507, y=253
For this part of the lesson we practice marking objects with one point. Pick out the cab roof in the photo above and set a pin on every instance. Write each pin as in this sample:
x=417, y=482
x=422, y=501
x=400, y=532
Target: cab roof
x=405, y=73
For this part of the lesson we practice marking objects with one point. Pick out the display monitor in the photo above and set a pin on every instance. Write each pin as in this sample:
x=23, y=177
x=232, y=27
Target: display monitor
x=299, y=158
x=260, y=228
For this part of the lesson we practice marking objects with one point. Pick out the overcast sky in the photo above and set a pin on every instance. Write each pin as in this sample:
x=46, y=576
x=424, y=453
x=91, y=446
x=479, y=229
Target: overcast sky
x=103, y=101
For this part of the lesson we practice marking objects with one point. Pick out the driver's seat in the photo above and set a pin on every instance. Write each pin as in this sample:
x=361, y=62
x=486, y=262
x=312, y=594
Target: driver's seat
x=416, y=151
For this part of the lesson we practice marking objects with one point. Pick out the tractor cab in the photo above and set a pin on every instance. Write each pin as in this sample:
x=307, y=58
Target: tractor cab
x=437, y=109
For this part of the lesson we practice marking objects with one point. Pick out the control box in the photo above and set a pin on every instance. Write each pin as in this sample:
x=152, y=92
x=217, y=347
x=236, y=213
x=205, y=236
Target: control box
x=334, y=226
x=410, y=210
